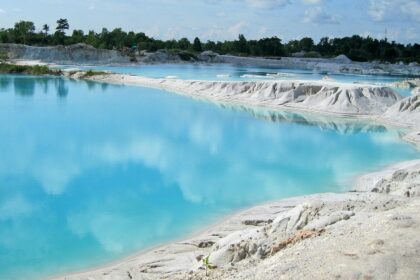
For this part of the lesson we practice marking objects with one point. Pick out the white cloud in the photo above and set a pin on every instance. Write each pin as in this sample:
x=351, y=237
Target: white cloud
x=311, y=1
x=318, y=15
x=237, y=28
x=2, y=11
x=260, y=4
x=225, y=32
x=411, y=8
x=268, y=3
x=381, y=10
x=378, y=8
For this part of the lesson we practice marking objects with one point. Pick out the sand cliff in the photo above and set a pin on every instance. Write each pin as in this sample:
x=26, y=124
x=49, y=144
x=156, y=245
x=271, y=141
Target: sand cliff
x=323, y=97
x=73, y=54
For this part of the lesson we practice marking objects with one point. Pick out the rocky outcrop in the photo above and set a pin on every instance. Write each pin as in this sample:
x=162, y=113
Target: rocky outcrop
x=413, y=137
x=207, y=56
x=405, y=111
x=324, y=65
x=410, y=83
x=343, y=59
x=401, y=179
x=161, y=56
x=73, y=54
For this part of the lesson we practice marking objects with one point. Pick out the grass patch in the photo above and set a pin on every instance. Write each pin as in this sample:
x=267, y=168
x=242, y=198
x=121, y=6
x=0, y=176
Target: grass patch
x=91, y=73
x=6, y=68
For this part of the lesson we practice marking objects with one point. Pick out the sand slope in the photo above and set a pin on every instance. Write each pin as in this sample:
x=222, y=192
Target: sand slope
x=326, y=97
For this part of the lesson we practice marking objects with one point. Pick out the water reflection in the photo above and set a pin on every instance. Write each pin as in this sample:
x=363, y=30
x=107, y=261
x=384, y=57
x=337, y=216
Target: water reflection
x=24, y=86
x=4, y=82
x=94, y=182
x=28, y=86
x=62, y=89
x=337, y=124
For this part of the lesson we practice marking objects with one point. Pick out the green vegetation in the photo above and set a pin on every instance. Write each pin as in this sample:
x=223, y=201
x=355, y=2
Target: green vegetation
x=6, y=68
x=197, y=46
x=355, y=47
x=91, y=73
x=207, y=265
x=312, y=54
x=3, y=57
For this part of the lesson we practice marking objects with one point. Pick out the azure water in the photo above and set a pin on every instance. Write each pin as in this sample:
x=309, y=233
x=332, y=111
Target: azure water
x=90, y=173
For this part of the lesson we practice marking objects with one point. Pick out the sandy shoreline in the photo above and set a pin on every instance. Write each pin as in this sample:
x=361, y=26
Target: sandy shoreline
x=236, y=243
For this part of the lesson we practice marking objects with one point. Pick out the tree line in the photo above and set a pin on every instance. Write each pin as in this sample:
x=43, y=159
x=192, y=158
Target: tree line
x=356, y=47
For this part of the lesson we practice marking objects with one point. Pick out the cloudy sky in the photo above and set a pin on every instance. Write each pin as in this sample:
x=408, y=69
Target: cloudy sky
x=225, y=19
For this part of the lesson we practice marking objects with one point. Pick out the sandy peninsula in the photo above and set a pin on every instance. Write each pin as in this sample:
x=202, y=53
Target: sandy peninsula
x=373, y=102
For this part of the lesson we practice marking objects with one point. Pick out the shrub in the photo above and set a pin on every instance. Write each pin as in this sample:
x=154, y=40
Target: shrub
x=91, y=73
x=3, y=57
x=312, y=54
x=27, y=69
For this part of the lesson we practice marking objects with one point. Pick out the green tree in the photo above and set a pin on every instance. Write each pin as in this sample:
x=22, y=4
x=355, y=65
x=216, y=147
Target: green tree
x=62, y=25
x=197, y=46
x=24, y=31
x=270, y=47
x=210, y=45
x=241, y=44
x=60, y=33
x=78, y=36
x=46, y=29
x=184, y=44
x=306, y=44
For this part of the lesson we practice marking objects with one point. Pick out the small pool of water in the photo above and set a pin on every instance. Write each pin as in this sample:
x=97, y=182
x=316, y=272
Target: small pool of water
x=90, y=172
x=235, y=72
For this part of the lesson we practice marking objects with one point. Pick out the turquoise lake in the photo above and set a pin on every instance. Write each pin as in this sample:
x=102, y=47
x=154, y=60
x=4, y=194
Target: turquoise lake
x=90, y=173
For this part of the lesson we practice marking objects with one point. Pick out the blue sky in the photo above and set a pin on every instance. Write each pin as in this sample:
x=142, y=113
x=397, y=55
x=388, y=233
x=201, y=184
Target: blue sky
x=225, y=19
